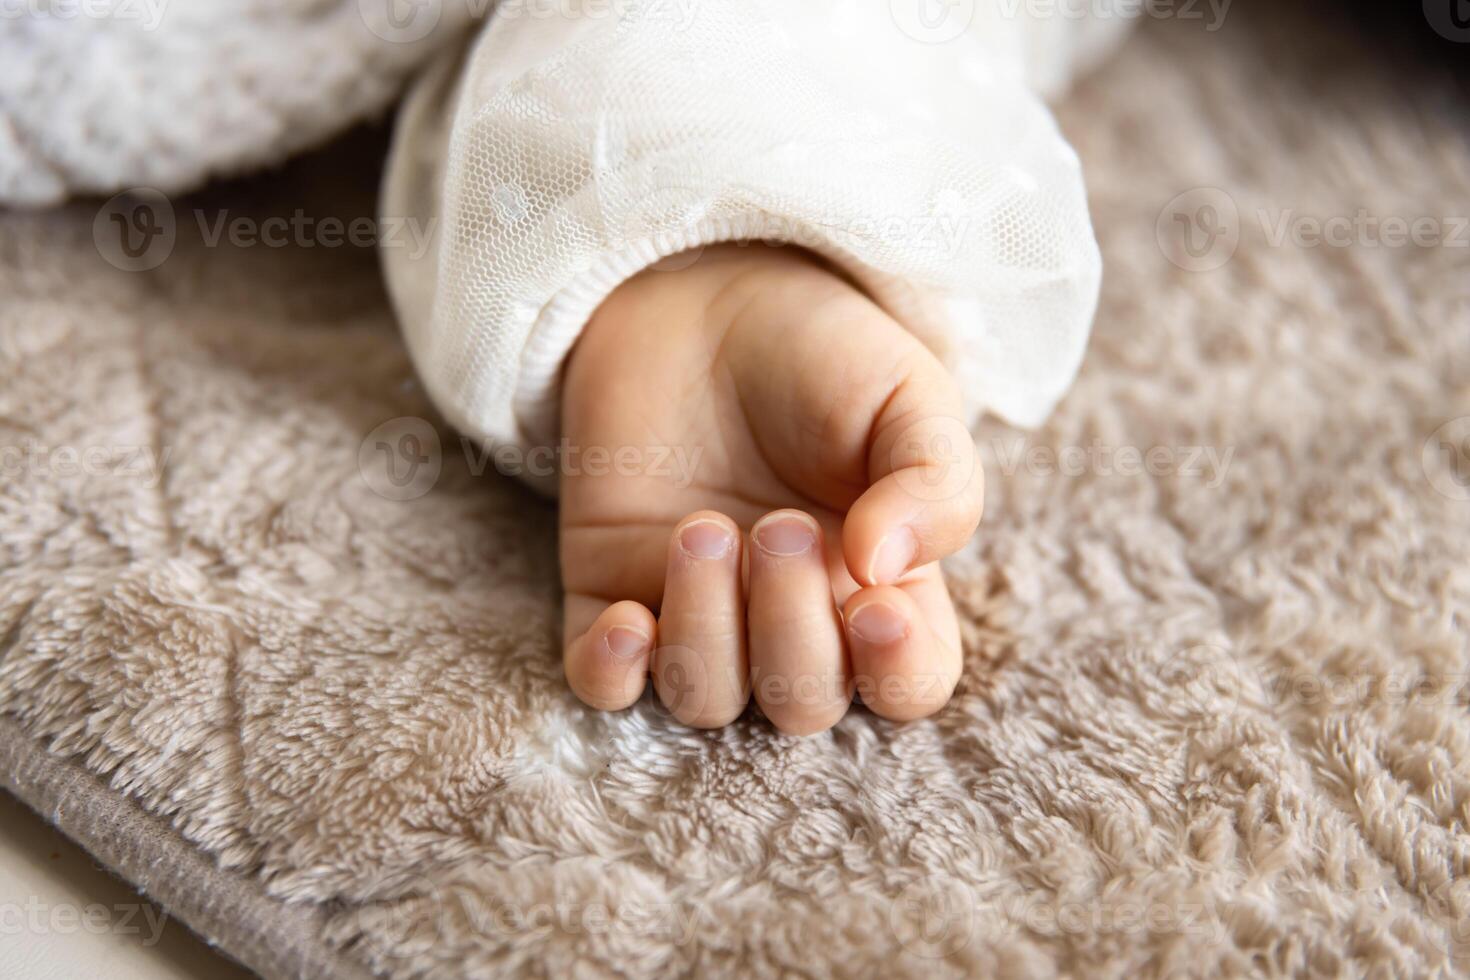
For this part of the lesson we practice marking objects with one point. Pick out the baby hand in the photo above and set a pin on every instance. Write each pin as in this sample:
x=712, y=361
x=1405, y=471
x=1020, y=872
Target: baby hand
x=772, y=448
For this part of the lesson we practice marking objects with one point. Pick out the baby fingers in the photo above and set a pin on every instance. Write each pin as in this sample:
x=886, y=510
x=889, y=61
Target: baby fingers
x=700, y=668
x=798, y=657
x=716, y=642
x=905, y=645
x=928, y=485
x=606, y=661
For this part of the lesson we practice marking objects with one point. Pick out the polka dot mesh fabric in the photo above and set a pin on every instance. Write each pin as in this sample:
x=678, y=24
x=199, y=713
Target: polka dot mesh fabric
x=564, y=152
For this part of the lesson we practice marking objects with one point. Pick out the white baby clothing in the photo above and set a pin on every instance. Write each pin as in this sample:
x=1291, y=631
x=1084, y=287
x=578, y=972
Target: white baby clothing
x=576, y=142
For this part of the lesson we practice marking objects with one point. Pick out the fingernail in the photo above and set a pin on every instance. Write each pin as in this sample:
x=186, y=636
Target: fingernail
x=786, y=536
x=626, y=641
x=878, y=623
x=706, y=539
x=894, y=556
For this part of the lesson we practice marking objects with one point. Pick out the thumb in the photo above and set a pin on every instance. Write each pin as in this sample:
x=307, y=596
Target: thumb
x=927, y=486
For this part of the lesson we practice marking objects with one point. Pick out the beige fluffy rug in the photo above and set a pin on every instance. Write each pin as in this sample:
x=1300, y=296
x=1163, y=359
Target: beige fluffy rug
x=1213, y=719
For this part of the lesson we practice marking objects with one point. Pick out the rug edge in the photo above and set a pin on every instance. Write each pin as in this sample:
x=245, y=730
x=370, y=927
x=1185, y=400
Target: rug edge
x=230, y=911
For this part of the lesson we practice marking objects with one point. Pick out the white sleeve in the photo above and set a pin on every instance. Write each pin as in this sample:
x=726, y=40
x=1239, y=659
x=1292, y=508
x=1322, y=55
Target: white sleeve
x=561, y=155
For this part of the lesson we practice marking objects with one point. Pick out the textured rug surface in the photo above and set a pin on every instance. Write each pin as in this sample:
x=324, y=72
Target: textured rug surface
x=1213, y=718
